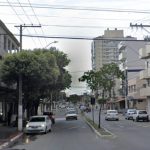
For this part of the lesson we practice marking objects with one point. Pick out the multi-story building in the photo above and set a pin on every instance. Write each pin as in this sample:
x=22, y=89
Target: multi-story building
x=131, y=65
x=135, y=100
x=144, y=53
x=104, y=49
x=8, y=44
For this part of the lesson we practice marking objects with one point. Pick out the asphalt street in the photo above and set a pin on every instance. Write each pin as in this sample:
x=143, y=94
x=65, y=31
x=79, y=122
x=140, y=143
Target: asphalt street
x=77, y=135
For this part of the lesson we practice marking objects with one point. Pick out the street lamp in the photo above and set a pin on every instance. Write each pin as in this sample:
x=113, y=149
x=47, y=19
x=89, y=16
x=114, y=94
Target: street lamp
x=50, y=43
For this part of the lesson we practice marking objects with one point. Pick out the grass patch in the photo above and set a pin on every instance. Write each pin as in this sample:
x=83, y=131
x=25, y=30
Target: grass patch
x=101, y=130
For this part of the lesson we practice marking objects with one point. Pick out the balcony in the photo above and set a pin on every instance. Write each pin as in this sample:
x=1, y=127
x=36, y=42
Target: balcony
x=145, y=91
x=145, y=74
x=144, y=53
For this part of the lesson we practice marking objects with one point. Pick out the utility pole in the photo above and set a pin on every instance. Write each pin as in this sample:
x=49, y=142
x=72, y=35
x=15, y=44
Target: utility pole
x=20, y=110
x=138, y=25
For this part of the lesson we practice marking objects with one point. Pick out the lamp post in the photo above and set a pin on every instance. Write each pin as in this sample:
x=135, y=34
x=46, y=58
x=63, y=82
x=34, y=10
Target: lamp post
x=50, y=43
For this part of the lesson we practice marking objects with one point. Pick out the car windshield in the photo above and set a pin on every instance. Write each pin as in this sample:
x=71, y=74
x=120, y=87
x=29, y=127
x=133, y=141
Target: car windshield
x=112, y=111
x=37, y=119
x=142, y=112
x=131, y=111
x=71, y=112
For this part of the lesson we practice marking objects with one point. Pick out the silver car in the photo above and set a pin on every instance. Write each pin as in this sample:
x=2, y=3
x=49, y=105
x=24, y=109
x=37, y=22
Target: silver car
x=112, y=115
x=140, y=115
x=129, y=114
x=38, y=124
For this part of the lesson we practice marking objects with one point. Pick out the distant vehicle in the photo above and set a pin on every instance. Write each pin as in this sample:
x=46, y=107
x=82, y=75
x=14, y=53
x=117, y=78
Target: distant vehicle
x=51, y=116
x=140, y=115
x=112, y=115
x=129, y=114
x=71, y=115
x=38, y=124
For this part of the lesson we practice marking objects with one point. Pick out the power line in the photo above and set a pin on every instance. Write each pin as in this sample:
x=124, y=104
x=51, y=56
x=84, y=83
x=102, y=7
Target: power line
x=81, y=37
x=29, y=20
x=18, y=16
x=86, y=18
x=71, y=26
x=35, y=5
x=36, y=18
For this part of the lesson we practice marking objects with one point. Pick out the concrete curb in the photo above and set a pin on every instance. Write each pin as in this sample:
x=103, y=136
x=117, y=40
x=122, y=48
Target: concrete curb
x=10, y=141
x=97, y=132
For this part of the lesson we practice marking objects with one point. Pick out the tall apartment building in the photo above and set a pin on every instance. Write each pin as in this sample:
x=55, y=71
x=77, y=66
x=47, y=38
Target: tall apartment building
x=104, y=49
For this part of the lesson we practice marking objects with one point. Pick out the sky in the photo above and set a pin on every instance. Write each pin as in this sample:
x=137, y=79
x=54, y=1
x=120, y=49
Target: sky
x=69, y=19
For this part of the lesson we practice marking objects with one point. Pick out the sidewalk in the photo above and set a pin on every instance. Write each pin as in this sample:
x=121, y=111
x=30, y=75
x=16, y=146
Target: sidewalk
x=8, y=135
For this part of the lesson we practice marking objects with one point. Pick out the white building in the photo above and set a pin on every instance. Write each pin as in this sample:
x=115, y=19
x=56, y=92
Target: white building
x=144, y=53
x=131, y=65
x=8, y=42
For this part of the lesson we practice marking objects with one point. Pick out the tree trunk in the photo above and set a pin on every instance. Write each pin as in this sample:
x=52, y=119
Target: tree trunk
x=99, y=120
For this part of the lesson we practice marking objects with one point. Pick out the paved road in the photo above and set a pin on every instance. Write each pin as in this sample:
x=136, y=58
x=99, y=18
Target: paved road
x=76, y=135
x=66, y=135
x=129, y=134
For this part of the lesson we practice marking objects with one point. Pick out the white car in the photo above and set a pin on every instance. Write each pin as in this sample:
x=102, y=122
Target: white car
x=129, y=114
x=140, y=115
x=112, y=115
x=71, y=115
x=38, y=124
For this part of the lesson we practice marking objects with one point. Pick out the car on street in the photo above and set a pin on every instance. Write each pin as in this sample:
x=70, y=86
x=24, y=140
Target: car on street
x=71, y=115
x=129, y=114
x=112, y=115
x=38, y=124
x=140, y=115
x=70, y=109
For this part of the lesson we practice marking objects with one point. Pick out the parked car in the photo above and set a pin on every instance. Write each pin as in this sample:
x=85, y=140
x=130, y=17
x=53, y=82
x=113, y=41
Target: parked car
x=140, y=115
x=112, y=115
x=129, y=113
x=71, y=115
x=38, y=124
x=51, y=116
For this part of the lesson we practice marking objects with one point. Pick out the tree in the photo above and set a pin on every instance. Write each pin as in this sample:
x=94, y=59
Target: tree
x=104, y=80
x=41, y=73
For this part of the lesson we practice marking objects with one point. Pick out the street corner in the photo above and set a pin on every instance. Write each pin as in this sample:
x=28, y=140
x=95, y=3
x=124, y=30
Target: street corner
x=10, y=140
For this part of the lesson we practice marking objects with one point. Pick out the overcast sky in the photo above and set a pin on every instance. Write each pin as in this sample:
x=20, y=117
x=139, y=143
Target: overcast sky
x=73, y=18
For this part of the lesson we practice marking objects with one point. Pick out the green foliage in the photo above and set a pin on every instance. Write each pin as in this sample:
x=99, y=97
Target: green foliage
x=42, y=71
x=104, y=78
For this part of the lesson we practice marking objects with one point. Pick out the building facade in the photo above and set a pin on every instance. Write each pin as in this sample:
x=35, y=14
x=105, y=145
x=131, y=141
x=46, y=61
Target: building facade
x=144, y=53
x=8, y=44
x=104, y=49
x=131, y=65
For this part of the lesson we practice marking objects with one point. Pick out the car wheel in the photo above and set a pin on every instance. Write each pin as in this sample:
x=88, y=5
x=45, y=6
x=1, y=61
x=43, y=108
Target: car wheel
x=137, y=119
x=45, y=130
x=50, y=130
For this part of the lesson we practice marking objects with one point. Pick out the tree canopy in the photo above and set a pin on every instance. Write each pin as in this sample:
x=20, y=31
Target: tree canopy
x=42, y=71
